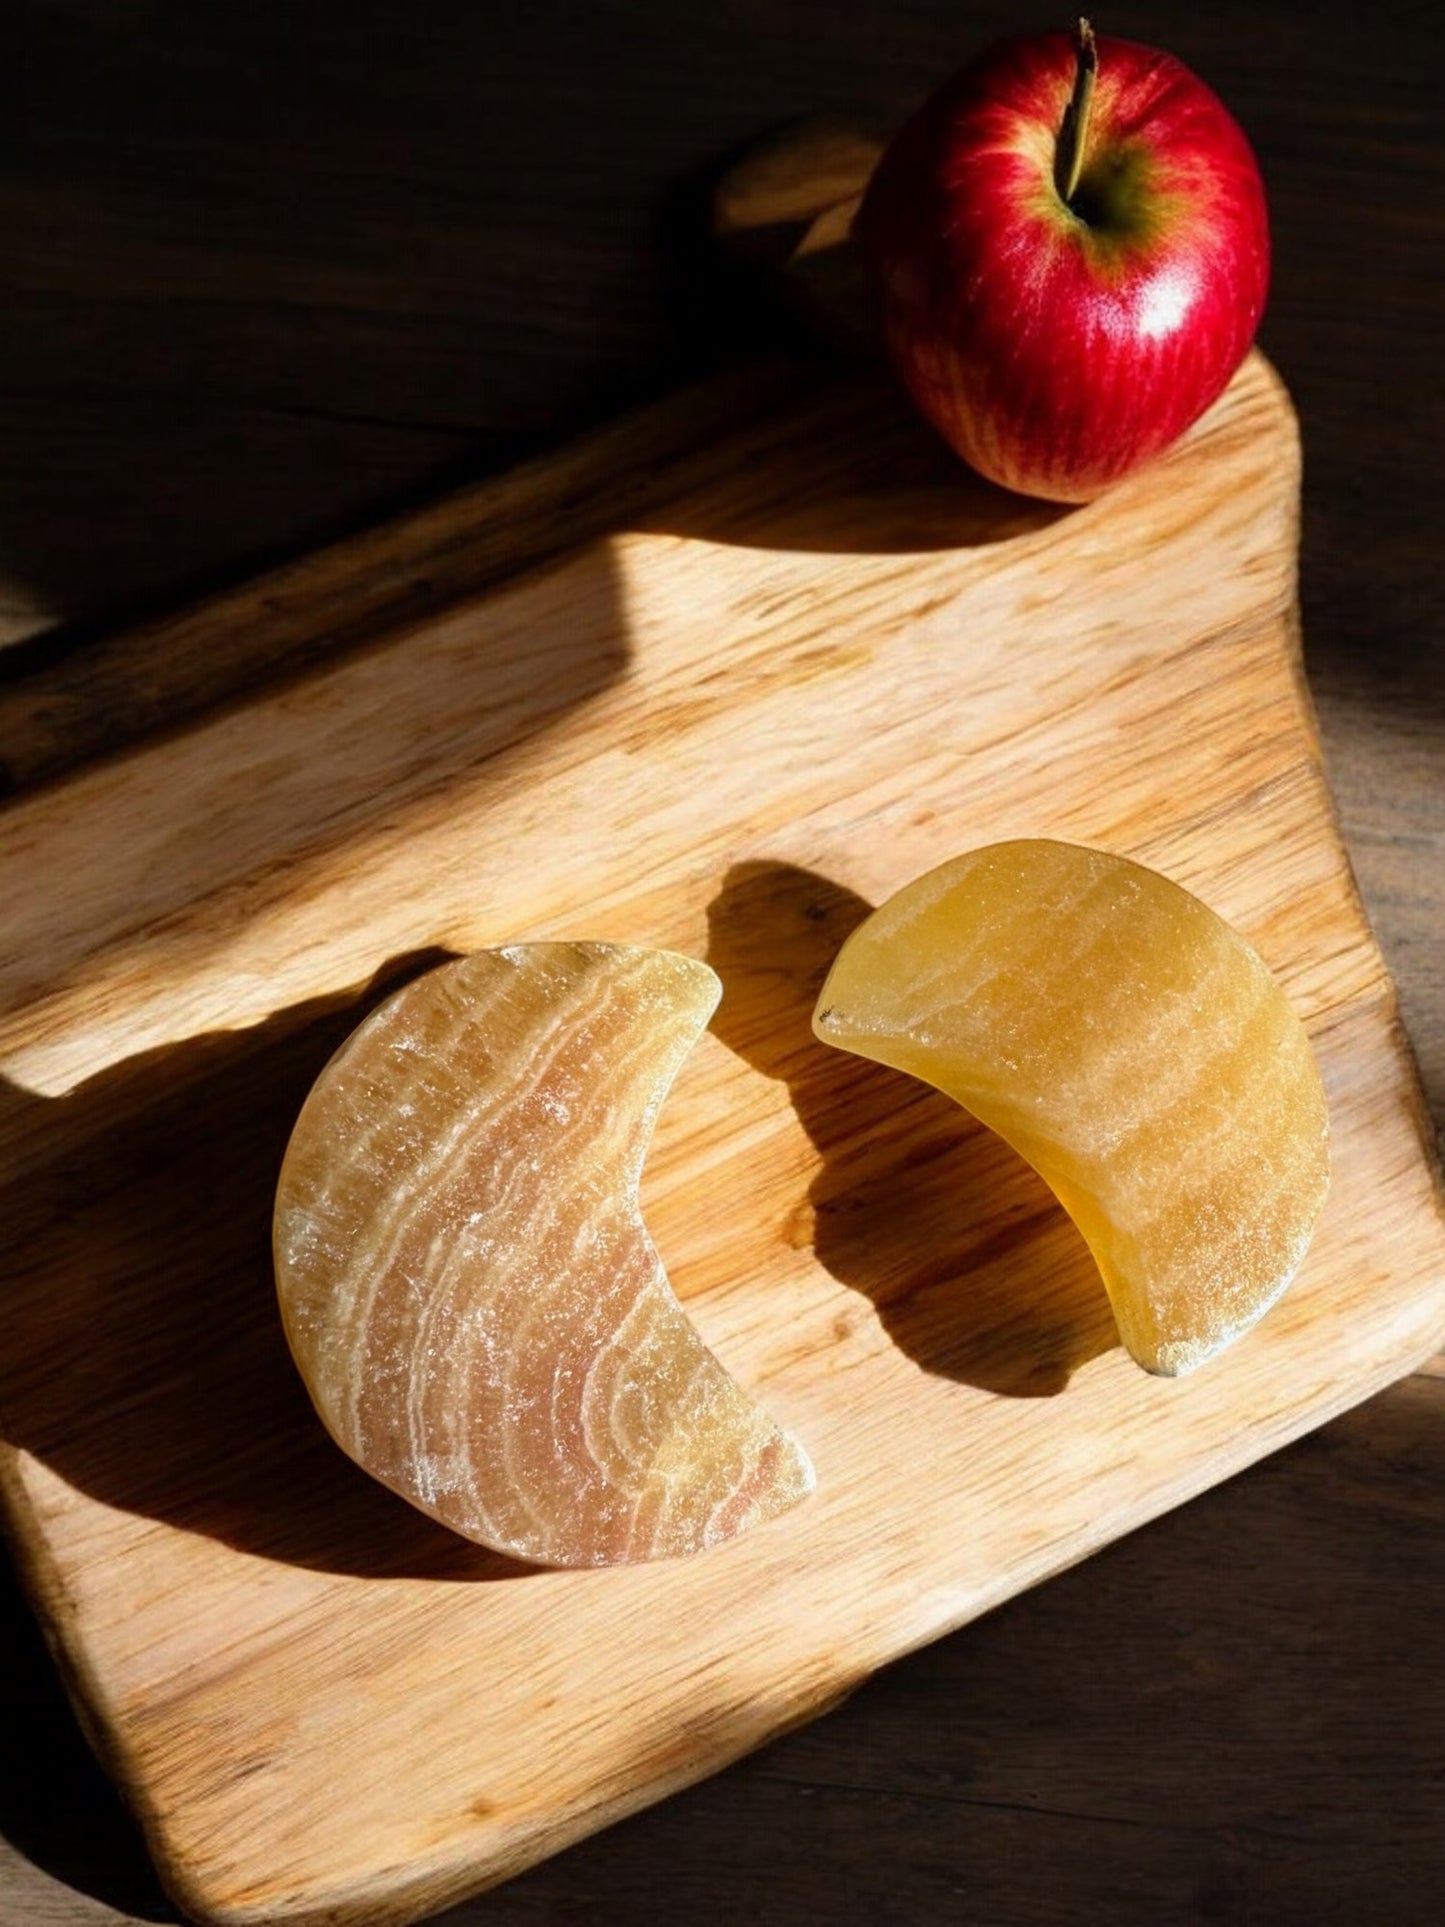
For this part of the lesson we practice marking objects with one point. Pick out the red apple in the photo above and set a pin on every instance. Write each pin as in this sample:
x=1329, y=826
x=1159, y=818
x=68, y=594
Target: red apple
x=1072, y=247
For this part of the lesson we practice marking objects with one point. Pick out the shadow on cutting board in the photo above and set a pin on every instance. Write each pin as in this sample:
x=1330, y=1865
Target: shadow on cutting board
x=145, y=1361
x=975, y=1270
x=850, y=472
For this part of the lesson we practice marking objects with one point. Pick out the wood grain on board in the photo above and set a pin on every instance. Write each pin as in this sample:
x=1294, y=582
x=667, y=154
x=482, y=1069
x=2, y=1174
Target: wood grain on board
x=729, y=727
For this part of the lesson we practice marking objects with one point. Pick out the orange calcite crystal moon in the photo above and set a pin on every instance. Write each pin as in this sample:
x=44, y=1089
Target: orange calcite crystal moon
x=466, y=1282
x=1132, y=1047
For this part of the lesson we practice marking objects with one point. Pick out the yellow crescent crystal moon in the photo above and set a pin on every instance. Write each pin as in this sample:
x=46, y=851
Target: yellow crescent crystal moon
x=466, y=1282
x=1132, y=1047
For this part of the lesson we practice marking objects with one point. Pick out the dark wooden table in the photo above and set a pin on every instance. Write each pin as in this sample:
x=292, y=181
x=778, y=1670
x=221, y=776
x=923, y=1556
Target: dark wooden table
x=273, y=271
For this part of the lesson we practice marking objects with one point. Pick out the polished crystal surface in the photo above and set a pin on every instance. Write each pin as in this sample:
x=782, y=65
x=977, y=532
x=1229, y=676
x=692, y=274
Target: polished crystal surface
x=1132, y=1047
x=466, y=1282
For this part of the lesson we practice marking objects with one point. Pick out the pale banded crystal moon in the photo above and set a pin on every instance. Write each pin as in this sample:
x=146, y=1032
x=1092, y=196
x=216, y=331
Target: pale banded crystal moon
x=1132, y=1047
x=466, y=1283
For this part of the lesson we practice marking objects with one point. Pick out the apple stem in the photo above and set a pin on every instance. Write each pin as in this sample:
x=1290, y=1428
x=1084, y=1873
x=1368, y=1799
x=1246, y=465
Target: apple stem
x=1074, y=127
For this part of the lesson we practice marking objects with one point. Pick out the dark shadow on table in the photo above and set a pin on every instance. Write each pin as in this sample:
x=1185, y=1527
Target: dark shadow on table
x=975, y=1269
x=363, y=335
x=57, y=1807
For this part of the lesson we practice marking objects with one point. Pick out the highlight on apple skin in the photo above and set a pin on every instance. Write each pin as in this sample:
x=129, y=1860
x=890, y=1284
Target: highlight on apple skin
x=1071, y=246
x=466, y=1282
x=1132, y=1047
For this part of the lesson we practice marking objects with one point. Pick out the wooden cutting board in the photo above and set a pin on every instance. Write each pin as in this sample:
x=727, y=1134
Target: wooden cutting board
x=819, y=661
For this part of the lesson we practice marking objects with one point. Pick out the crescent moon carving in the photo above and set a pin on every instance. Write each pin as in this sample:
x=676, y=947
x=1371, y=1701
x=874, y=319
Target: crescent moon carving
x=1132, y=1047
x=466, y=1282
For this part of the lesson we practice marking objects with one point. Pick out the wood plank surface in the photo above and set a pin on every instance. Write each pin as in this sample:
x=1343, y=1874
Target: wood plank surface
x=265, y=275
x=726, y=728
